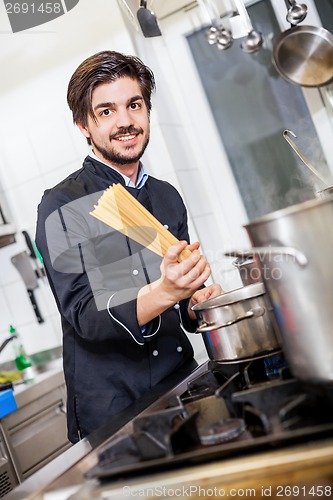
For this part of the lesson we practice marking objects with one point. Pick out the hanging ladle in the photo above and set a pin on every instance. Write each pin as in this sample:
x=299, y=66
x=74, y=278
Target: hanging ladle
x=300, y=155
x=216, y=35
x=254, y=40
x=296, y=12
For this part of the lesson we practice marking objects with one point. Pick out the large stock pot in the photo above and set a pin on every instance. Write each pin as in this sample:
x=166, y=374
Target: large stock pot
x=237, y=324
x=295, y=246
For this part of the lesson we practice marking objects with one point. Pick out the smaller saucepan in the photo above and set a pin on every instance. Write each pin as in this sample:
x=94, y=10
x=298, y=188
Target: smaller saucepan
x=238, y=325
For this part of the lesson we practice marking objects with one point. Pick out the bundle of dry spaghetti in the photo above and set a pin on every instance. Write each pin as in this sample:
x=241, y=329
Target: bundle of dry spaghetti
x=119, y=209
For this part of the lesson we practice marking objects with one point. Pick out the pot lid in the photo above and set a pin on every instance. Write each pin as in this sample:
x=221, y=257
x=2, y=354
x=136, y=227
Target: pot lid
x=237, y=295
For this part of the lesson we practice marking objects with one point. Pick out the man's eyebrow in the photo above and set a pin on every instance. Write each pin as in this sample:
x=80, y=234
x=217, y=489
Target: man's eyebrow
x=135, y=98
x=112, y=104
x=104, y=105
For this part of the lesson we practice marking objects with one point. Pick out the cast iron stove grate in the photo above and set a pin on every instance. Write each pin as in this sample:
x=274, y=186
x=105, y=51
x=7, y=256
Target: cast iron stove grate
x=226, y=411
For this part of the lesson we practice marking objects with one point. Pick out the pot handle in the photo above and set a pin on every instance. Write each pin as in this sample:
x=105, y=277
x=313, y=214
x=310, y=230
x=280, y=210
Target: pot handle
x=253, y=313
x=300, y=258
x=242, y=261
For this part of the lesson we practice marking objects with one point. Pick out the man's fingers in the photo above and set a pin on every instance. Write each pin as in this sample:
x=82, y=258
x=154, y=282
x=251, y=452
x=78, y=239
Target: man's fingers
x=174, y=250
x=194, y=246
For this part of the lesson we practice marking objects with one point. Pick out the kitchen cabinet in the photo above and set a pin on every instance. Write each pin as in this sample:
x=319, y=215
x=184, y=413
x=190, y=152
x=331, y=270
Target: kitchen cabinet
x=8, y=478
x=36, y=432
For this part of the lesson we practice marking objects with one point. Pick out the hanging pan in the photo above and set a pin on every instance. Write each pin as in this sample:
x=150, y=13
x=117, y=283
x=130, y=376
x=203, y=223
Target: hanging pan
x=304, y=54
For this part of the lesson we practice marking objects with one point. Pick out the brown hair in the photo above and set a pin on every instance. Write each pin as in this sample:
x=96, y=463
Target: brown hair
x=104, y=67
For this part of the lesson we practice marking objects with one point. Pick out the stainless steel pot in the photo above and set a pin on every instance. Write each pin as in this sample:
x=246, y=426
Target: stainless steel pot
x=237, y=324
x=300, y=282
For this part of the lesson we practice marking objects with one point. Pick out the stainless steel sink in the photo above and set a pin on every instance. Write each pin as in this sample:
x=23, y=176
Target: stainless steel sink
x=47, y=366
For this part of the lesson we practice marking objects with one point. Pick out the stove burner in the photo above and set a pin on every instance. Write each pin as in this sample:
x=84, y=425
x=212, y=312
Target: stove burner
x=222, y=431
x=210, y=409
x=229, y=410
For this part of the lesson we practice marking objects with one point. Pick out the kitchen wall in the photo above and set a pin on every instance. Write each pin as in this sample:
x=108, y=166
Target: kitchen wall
x=40, y=145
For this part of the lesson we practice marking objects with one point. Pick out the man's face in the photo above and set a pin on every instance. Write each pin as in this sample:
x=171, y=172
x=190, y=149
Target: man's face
x=120, y=133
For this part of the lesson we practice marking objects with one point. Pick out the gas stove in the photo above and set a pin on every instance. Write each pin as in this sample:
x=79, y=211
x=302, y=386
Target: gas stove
x=228, y=409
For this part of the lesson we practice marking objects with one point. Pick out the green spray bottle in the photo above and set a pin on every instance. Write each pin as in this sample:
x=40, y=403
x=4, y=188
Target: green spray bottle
x=22, y=360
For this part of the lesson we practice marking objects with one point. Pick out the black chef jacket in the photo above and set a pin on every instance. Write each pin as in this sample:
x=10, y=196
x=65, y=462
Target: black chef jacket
x=95, y=274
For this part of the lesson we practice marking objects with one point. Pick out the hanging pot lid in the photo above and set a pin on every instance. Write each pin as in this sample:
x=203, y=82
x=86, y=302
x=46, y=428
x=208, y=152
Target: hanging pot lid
x=304, y=55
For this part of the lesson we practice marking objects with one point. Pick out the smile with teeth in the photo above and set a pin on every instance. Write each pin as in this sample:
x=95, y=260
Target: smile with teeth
x=124, y=138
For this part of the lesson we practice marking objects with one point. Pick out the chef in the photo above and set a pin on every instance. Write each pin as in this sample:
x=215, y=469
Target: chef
x=123, y=308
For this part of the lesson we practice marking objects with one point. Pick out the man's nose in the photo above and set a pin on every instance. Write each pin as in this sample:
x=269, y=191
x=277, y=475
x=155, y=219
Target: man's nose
x=124, y=118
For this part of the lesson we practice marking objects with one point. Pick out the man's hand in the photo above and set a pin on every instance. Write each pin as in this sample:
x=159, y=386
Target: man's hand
x=181, y=279
x=202, y=295
x=178, y=281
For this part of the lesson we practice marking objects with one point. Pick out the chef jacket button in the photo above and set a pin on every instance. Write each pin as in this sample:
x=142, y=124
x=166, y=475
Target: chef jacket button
x=176, y=306
x=155, y=352
x=166, y=226
x=179, y=348
x=135, y=272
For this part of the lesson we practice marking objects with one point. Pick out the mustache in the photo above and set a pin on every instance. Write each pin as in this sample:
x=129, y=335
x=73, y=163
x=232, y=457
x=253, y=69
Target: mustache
x=126, y=130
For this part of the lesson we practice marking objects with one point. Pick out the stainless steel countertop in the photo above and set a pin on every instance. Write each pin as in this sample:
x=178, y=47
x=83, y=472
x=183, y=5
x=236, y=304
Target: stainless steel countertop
x=52, y=375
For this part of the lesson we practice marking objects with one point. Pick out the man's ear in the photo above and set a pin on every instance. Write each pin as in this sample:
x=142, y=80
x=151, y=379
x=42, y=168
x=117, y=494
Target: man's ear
x=84, y=130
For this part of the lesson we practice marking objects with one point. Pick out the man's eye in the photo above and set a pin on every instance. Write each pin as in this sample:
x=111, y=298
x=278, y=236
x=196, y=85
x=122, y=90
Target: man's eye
x=106, y=112
x=135, y=105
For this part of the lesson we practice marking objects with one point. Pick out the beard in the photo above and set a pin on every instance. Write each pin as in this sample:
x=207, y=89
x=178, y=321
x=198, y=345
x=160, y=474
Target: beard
x=116, y=158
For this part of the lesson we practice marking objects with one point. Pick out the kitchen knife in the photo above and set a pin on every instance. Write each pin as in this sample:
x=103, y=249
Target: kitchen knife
x=39, y=270
x=22, y=263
